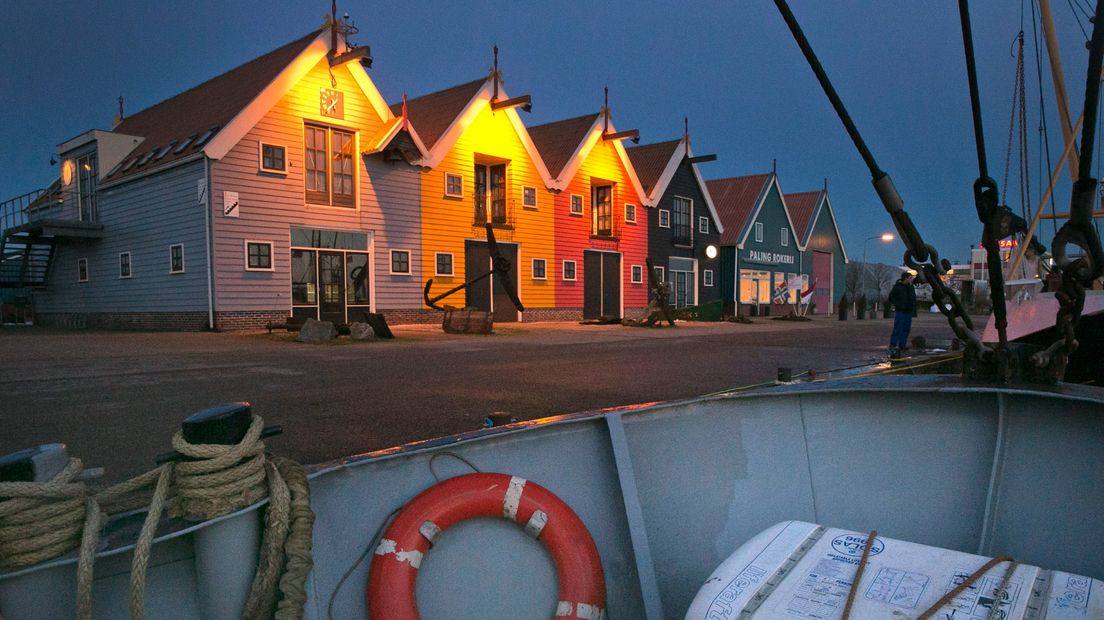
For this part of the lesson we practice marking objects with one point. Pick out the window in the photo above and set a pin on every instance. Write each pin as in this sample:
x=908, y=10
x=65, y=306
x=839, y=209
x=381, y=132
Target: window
x=124, y=265
x=273, y=158
x=529, y=197
x=659, y=271
x=490, y=188
x=328, y=163
x=400, y=261
x=176, y=258
x=680, y=224
x=539, y=269
x=82, y=270
x=785, y=238
x=630, y=213
x=637, y=274
x=703, y=226
x=258, y=256
x=569, y=270
x=86, y=187
x=576, y=204
x=444, y=264
x=707, y=277
x=664, y=218
x=601, y=211
x=454, y=185
x=758, y=231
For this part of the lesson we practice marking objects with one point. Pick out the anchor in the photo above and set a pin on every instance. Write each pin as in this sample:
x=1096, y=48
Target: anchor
x=657, y=306
x=500, y=265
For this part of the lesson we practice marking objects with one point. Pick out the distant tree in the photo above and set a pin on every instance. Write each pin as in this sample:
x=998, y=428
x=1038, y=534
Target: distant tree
x=873, y=283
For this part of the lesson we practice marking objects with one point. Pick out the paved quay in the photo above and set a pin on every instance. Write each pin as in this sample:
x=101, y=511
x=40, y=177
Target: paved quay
x=117, y=397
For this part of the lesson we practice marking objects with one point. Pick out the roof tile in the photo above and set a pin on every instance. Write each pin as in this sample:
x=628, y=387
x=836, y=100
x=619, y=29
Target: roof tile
x=557, y=141
x=735, y=199
x=432, y=114
x=802, y=206
x=211, y=105
x=650, y=160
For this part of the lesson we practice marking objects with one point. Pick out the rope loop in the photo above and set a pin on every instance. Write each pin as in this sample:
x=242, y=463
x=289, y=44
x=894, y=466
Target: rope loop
x=222, y=478
x=40, y=521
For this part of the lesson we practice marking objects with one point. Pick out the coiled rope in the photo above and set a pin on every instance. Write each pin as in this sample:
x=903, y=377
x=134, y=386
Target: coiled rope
x=44, y=520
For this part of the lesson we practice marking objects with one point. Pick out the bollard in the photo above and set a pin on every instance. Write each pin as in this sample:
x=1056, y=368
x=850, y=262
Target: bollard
x=785, y=375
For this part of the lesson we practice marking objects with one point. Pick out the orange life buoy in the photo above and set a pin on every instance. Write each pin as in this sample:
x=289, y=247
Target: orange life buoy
x=391, y=590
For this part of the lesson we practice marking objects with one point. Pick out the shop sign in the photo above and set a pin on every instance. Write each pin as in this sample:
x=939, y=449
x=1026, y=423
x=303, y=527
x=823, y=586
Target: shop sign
x=770, y=258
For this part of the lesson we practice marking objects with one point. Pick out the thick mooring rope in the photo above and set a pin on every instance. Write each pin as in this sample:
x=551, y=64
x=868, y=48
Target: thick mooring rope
x=44, y=520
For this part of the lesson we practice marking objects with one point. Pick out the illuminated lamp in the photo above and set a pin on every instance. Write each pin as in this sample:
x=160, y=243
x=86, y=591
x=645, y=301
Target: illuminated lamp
x=711, y=251
x=634, y=134
x=361, y=53
x=67, y=172
x=525, y=102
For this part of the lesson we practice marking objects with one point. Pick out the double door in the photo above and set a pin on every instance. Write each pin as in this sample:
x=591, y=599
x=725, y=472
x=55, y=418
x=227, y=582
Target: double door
x=488, y=294
x=601, y=284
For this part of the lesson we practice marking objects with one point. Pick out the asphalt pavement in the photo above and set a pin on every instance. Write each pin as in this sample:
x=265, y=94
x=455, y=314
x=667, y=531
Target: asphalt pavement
x=116, y=398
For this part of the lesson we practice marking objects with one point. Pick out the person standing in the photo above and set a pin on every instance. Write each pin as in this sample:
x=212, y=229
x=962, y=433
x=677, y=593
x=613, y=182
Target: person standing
x=903, y=299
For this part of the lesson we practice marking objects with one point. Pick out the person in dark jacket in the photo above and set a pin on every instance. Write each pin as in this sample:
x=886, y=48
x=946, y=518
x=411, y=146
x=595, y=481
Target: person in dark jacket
x=903, y=299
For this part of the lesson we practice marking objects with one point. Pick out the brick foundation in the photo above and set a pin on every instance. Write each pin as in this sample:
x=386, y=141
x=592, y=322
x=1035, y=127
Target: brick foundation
x=124, y=321
x=422, y=316
x=248, y=319
x=538, y=315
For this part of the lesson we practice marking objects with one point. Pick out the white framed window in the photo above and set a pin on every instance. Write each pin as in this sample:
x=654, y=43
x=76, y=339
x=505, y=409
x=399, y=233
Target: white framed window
x=703, y=225
x=454, y=185
x=400, y=262
x=664, y=218
x=82, y=270
x=540, y=269
x=707, y=277
x=576, y=204
x=272, y=157
x=785, y=237
x=258, y=255
x=661, y=274
x=630, y=213
x=176, y=258
x=637, y=274
x=443, y=264
x=569, y=270
x=124, y=265
x=758, y=231
x=529, y=197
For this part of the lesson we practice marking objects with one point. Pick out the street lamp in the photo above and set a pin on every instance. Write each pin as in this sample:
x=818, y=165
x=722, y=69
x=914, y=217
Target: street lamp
x=885, y=237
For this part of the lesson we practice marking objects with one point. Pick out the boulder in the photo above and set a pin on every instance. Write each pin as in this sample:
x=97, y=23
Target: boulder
x=362, y=331
x=316, y=331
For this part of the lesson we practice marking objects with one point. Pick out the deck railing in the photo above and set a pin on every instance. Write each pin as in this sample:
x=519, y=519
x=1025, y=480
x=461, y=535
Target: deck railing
x=14, y=211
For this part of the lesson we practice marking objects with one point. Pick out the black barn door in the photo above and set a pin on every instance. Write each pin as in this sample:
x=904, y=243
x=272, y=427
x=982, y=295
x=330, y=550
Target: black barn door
x=601, y=285
x=477, y=261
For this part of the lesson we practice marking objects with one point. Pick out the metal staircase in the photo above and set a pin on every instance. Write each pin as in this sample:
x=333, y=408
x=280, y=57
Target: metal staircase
x=25, y=260
x=27, y=244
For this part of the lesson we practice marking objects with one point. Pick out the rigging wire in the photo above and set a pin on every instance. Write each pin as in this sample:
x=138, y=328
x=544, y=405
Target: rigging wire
x=1078, y=18
x=1045, y=142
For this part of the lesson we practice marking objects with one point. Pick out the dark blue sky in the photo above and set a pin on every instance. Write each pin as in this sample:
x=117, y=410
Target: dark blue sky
x=732, y=67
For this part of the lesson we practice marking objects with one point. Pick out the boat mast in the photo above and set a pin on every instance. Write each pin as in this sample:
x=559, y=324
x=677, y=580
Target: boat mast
x=1051, y=39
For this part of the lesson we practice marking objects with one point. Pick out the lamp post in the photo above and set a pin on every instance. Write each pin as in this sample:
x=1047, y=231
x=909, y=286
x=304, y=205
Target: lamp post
x=885, y=237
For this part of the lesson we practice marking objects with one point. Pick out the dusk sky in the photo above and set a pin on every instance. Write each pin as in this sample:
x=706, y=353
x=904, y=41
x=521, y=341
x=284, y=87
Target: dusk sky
x=731, y=67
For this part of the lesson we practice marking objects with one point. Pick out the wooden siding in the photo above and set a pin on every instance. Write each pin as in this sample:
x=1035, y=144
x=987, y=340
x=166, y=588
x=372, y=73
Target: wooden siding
x=270, y=204
x=447, y=221
x=143, y=217
x=825, y=239
x=601, y=164
x=661, y=245
x=773, y=217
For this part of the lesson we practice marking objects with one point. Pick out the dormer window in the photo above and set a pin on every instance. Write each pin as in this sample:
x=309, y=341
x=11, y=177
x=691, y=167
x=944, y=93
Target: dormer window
x=328, y=164
x=490, y=193
x=601, y=211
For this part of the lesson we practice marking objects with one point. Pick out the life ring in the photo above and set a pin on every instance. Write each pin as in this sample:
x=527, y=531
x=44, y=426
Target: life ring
x=391, y=590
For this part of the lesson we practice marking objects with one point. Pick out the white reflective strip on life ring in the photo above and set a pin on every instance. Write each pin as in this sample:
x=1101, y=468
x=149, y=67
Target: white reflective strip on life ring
x=588, y=612
x=512, y=499
x=430, y=531
x=563, y=609
x=388, y=547
x=536, y=524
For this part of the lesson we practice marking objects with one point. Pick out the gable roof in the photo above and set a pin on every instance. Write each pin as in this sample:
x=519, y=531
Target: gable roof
x=650, y=160
x=737, y=199
x=213, y=117
x=440, y=119
x=825, y=206
x=435, y=112
x=211, y=105
x=559, y=140
x=802, y=207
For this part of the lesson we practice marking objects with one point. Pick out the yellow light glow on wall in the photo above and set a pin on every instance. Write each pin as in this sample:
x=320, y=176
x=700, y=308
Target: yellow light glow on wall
x=67, y=169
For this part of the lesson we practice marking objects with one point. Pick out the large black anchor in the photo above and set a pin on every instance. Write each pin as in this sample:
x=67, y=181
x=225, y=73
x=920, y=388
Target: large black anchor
x=500, y=265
